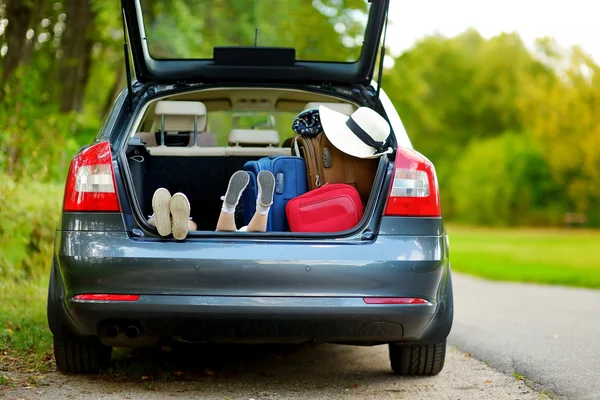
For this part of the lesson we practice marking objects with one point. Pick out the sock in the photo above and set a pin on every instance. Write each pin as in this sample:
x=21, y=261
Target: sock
x=261, y=209
x=225, y=208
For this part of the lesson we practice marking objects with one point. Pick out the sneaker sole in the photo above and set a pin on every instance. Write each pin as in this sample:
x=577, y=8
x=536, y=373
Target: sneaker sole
x=180, y=211
x=162, y=216
x=266, y=186
x=237, y=184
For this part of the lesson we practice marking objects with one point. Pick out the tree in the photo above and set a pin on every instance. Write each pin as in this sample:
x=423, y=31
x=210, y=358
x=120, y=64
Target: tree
x=21, y=16
x=452, y=91
x=76, y=54
x=563, y=117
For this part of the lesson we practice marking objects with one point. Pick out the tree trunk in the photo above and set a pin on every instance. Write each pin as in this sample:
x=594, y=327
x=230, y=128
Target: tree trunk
x=28, y=49
x=77, y=53
x=20, y=15
x=86, y=66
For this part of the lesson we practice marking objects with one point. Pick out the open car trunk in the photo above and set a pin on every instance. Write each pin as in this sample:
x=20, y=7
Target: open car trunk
x=232, y=126
x=203, y=179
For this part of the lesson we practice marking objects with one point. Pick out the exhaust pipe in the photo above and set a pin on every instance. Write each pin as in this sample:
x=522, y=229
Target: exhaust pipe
x=112, y=331
x=132, y=332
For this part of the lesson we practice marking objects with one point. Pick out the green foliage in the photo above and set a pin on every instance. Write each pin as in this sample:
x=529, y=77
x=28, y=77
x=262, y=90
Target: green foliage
x=37, y=142
x=29, y=212
x=449, y=91
x=504, y=180
x=564, y=121
x=453, y=94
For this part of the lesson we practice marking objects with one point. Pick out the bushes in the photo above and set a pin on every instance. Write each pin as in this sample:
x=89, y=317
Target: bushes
x=504, y=181
x=29, y=212
x=37, y=141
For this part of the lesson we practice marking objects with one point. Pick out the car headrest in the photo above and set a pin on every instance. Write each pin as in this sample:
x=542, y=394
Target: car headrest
x=343, y=108
x=179, y=115
x=253, y=137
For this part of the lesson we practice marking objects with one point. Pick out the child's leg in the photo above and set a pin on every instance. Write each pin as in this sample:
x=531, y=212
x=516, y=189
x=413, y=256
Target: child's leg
x=162, y=217
x=237, y=184
x=180, y=211
x=266, y=186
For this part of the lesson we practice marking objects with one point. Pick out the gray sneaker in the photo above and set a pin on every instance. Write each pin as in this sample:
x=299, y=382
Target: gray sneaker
x=237, y=184
x=266, y=187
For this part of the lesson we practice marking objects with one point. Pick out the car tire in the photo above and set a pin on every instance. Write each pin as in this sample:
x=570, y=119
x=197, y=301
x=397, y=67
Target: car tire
x=81, y=355
x=417, y=359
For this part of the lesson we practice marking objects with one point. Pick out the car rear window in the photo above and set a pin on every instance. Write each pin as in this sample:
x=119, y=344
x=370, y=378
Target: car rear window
x=222, y=122
x=319, y=30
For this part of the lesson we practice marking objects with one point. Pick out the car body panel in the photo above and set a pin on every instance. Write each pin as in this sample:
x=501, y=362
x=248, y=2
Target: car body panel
x=110, y=262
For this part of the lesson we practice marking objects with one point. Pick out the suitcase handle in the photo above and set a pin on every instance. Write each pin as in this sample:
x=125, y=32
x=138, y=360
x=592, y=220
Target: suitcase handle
x=279, y=183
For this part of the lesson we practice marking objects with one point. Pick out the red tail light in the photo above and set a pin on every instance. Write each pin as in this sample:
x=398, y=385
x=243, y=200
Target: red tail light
x=91, y=181
x=414, y=191
x=107, y=297
x=394, y=300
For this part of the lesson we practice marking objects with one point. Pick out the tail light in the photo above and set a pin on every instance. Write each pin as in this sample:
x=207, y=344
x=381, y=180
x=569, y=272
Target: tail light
x=394, y=300
x=106, y=297
x=91, y=181
x=414, y=191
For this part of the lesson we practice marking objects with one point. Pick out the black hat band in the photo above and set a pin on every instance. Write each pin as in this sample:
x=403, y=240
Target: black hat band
x=365, y=137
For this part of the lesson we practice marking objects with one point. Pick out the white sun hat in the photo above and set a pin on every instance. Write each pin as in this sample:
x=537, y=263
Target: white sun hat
x=364, y=134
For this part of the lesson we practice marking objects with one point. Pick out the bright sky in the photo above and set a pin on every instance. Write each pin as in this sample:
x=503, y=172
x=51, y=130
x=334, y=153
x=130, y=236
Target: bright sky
x=570, y=22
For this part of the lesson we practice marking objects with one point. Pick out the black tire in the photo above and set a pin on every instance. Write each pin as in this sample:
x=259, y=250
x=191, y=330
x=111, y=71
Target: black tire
x=417, y=360
x=79, y=355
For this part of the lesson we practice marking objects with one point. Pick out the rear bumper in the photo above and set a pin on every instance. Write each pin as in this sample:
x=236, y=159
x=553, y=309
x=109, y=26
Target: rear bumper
x=251, y=290
x=264, y=319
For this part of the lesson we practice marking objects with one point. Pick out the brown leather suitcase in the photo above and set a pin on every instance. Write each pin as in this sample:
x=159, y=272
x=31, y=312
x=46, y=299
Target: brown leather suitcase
x=325, y=163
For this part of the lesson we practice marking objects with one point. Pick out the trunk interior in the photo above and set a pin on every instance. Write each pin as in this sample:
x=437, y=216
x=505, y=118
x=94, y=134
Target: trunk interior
x=238, y=125
x=203, y=179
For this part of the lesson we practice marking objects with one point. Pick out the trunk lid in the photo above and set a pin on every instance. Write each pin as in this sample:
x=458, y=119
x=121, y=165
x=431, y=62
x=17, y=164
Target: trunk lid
x=254, y=40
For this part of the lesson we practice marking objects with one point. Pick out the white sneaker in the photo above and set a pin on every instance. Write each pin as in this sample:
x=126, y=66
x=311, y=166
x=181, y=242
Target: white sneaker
x=180, y=211
x=162, y=216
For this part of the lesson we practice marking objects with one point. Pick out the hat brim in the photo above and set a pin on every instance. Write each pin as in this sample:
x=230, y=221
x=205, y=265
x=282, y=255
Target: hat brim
x=338, y=133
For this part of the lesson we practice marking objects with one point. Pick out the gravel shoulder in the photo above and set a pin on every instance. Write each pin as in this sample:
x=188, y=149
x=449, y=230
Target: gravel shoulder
x=280, y=372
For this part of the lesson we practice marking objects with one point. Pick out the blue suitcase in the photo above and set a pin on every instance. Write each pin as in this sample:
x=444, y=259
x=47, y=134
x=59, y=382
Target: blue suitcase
x=290, y=182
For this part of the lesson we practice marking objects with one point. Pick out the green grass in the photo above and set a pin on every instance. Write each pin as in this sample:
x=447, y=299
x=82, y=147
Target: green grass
x=518, y=376
x=25, y=340
x=550, y=256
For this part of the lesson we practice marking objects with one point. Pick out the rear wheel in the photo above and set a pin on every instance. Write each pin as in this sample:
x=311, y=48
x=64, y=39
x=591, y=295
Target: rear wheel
x=81, y=355
x=417, y=359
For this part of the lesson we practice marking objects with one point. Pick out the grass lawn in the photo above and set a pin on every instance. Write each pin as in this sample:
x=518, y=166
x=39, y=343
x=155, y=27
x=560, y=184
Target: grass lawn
x=551, y=256
x=25, y=340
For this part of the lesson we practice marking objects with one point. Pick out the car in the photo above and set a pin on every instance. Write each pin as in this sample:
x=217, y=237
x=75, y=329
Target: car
x=115, y=282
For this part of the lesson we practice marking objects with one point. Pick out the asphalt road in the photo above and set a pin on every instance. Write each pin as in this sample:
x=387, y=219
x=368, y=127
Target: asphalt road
x=550, y=335
x=276, y=372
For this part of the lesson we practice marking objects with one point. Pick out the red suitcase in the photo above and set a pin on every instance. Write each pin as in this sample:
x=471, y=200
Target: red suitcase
x=333, y=207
